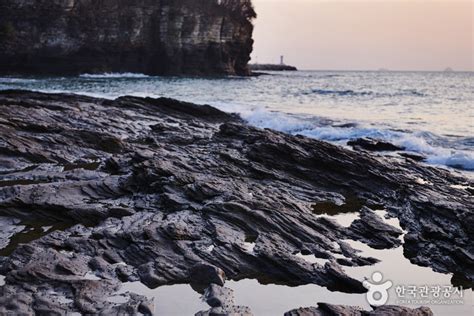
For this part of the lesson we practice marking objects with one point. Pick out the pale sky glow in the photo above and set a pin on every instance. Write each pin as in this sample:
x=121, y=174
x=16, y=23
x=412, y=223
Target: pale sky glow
x=366, y=34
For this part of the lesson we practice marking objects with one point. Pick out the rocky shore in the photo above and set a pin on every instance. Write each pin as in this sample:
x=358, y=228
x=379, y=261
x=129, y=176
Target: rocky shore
x=166, y=192
x=271, y=67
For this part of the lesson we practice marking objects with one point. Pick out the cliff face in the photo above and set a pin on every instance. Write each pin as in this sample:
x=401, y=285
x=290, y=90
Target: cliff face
x=147, y=36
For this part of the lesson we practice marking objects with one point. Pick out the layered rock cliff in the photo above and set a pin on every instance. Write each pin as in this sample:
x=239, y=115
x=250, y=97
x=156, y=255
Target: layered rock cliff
x=146, y=36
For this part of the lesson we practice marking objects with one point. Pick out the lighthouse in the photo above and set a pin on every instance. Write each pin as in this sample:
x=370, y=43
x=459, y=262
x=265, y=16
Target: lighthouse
x=282, y=60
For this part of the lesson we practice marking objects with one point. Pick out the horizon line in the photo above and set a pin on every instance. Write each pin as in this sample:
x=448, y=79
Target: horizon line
x=382, y=70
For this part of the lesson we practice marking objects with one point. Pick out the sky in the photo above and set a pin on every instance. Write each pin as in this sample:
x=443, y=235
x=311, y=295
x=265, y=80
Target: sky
x=366, y=34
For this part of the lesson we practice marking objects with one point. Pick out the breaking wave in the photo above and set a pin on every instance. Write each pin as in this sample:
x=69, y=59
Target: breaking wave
x=125, y=75
x=438, y=150
x=352, y=93
x=397, y=107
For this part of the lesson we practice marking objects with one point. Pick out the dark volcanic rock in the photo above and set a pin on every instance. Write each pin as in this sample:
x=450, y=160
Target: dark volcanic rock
x=207, y=274
x=217, y=296
x=415, y=157
x=271, y=67
x=373, y=145
x=222, y=302
x=339, y=310
x=159, y=190
x=374, y=231
x=148, y=36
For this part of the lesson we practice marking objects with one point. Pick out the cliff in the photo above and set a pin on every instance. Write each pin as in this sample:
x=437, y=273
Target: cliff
x=147, y=36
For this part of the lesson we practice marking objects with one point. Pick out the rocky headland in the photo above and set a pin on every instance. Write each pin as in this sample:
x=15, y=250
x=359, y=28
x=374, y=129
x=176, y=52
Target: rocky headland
x=271, y=67
x=165, y=192
x=155, y=37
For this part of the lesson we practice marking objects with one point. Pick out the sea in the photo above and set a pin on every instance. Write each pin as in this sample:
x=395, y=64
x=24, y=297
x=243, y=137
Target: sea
x=427, y=113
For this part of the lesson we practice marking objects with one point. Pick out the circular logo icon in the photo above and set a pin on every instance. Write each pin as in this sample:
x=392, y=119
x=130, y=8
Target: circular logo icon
x=378, y=291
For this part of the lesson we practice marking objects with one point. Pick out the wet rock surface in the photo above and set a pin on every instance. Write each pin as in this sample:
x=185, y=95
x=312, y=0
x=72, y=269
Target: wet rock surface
x=340, y=310
x=166, y=192
x=415, y=157
x=372, y=144
x=8, y=228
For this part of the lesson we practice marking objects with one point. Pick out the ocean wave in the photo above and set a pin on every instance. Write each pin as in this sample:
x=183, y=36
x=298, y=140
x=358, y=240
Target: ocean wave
x=411, y=92
x=457, y=160
x=435, y=148
x=341, y=93
x=8, y=80
x=275, y=120
x=329, y=76
x=426, y=144
x=352, y=93
x=112, y=75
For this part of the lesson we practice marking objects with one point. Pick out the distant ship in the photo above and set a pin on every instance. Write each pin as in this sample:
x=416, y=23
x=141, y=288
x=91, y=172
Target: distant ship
x=449, y=69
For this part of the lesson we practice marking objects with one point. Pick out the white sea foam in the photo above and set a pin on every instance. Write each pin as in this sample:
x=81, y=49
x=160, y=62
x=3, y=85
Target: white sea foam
x=436, y=103
x=278, y=121
x=10, y=80
x=113, y=75
x=422, y=143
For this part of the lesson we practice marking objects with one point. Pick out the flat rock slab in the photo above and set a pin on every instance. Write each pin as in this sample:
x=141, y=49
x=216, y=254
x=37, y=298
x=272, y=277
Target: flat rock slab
x=153, y=188
x=340, y=310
